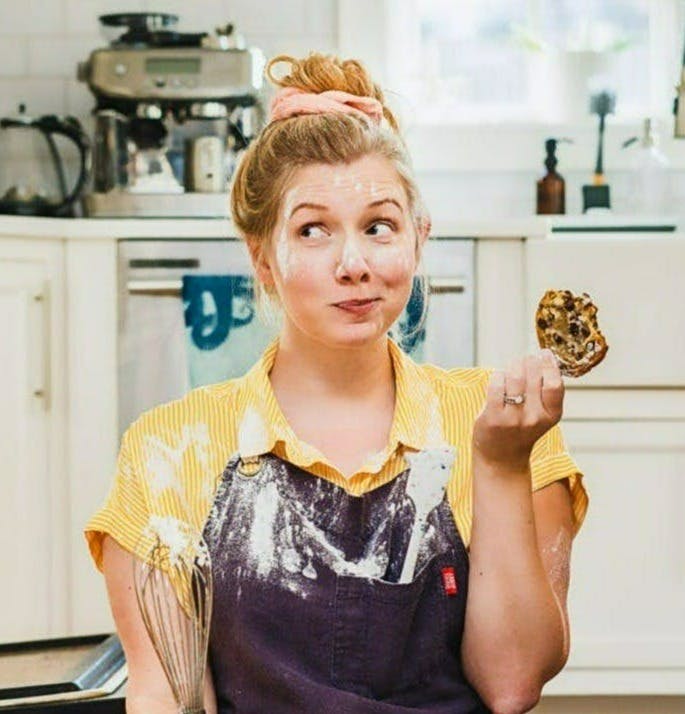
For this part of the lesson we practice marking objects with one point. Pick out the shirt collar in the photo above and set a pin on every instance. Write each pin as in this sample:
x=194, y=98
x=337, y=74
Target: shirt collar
x=416, y=420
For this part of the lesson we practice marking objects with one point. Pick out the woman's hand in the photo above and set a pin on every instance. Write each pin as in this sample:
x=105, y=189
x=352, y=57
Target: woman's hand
x=504, y=434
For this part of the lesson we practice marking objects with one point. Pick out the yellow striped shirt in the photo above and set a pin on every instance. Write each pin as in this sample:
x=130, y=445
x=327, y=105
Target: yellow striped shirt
x=172, y=457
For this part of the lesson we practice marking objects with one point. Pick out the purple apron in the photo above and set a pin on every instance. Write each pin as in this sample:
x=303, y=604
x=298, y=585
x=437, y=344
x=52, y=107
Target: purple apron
x=308, y=616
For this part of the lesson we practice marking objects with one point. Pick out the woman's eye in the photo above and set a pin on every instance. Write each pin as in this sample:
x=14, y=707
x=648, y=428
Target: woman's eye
x=311, y=230
x=389, y=228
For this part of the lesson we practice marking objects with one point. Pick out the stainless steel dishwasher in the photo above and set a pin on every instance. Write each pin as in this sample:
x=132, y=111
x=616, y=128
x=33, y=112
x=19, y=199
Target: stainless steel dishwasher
x=152, y=346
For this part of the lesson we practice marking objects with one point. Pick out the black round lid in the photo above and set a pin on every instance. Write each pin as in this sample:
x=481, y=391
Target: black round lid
x=150, y=29
x=149, y=21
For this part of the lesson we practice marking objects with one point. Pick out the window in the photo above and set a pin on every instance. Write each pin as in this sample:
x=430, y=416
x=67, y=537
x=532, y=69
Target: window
x=468, y=61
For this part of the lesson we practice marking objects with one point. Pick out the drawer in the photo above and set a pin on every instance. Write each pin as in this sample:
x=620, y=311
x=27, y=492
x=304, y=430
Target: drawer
x=638, y=287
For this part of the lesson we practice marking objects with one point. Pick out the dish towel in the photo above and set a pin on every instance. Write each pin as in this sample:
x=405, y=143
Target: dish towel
x=406, y=331
x=225, y=337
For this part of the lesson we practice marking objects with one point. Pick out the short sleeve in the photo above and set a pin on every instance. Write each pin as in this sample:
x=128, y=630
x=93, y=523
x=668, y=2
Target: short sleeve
x=550, y=462
x=125, y=513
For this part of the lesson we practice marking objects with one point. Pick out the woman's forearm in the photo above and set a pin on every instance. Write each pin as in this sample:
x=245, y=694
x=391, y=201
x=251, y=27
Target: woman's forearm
x=514, y=629
x=149, y=705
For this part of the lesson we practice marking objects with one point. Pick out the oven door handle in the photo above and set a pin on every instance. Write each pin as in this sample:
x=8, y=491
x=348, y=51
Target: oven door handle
x=436, y=286
x=442, y=286
x=170, y=288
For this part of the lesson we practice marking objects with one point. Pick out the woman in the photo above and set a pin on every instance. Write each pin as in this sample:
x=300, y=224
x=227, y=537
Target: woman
x=309, y=475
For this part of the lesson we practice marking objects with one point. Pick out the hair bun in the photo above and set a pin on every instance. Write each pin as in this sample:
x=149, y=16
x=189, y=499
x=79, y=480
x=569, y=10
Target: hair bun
x=318, y=73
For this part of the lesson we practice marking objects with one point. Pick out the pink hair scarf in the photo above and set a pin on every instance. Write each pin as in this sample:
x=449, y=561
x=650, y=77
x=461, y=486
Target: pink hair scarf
x=290, y=101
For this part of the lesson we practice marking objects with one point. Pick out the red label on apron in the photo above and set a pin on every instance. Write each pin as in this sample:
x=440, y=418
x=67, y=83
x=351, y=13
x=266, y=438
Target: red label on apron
x=449, y=581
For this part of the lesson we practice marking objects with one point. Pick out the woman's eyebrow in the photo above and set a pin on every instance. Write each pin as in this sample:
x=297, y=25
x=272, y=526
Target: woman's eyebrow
x=385, y=200
x=318, y=206
x=307, y=205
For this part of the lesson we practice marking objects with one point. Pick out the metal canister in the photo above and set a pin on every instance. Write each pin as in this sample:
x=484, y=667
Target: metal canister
x=110, y=152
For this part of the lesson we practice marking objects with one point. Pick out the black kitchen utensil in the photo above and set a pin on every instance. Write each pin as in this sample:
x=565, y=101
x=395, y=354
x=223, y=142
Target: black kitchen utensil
x=597, y=195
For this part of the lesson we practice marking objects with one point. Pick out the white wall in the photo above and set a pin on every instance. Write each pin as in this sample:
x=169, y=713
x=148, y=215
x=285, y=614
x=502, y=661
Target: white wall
x=41, y=41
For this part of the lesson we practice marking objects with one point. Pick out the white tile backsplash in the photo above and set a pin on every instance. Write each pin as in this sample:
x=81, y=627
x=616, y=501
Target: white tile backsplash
x=14, y=56
x=81, y=16
x=296, y=45
x=79, y=99
x=59, y=56
x=264, y=16
x=321, y=16
x=42, y=95
x=31, y=17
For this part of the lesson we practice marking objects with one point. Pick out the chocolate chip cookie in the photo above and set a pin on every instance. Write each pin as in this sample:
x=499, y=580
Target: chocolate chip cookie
x=567, y=325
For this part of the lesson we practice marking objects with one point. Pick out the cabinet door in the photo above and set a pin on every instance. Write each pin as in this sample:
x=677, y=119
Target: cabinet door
x=32, y=531
x=627, y=598
x=638, y=286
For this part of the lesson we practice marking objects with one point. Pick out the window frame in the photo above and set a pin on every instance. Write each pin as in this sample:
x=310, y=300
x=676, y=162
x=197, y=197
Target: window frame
x=365, y=29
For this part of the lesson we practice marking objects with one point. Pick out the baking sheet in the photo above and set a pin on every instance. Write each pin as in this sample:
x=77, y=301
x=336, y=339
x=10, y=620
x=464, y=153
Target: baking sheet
x=67, y=668
x=56, y=667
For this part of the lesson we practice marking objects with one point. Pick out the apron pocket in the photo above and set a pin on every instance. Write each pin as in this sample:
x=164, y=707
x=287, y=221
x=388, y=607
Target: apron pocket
x=389, y=636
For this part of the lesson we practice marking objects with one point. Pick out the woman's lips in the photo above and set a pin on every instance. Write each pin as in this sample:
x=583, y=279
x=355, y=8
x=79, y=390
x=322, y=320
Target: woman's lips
x=357, y=307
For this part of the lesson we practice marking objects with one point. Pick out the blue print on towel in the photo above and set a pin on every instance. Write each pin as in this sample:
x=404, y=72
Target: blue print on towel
x=406, y=331
x=215, y=304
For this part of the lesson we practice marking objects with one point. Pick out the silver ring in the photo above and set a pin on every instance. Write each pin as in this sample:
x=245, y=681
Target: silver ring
x=516, y=399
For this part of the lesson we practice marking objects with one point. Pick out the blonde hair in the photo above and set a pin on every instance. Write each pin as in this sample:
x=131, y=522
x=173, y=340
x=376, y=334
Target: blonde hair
x=284, y=146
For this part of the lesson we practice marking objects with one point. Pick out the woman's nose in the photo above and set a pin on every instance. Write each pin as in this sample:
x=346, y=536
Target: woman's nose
x=352, y=265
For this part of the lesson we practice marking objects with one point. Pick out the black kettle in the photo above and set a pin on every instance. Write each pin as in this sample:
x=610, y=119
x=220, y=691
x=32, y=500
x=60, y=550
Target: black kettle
x=32, y=178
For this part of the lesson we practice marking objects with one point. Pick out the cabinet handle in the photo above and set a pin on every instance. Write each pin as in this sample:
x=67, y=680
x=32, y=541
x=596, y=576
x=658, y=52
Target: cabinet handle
x=441, y=286
x=42, y=378
x=171, y=288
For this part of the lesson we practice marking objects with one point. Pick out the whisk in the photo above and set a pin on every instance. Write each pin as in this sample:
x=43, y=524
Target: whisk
x=173, y=583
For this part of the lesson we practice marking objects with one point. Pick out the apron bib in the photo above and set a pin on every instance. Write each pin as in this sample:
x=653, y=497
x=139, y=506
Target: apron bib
x=308, y=616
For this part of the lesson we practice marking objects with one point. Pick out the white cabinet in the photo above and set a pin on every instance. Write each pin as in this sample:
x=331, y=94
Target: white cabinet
x=91, y=270
x=627, y=597
x=638, y=286
x=625, y=426
x=33, y=527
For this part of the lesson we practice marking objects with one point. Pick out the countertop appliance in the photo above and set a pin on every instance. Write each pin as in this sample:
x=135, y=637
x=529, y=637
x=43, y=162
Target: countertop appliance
x=153, y=365
x=32, y=177
x=158, y=93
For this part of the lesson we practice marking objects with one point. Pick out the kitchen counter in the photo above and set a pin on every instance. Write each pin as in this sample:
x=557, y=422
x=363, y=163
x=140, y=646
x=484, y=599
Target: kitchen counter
x=109, y=228
x=515, y=228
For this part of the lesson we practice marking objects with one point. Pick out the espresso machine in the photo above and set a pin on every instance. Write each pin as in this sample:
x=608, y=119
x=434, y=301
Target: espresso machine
x=174, y=111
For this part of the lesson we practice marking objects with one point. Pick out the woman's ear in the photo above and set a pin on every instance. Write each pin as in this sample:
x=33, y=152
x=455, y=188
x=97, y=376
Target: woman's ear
x=260, y=261
x=423, y=230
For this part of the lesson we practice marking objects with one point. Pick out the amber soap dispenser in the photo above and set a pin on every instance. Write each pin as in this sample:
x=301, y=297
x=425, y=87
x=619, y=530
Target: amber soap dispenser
x=551, y=194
